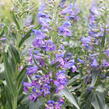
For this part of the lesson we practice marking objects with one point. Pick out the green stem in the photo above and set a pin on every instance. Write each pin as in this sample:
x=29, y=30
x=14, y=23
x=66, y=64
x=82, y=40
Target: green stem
x=14, y=105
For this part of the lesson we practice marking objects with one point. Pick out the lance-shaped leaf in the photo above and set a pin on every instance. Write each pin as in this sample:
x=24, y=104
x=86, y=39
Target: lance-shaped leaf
x=98, y=99
x=11, y=61
x=20, y=77
x=15, y=20
x=26, y=36
x=70, y=97
x=37, y=105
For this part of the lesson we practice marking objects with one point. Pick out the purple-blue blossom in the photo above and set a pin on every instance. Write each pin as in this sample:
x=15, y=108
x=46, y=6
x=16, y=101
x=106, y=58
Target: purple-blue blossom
x=32, y=70
x=39, y=34
x=38, y=87
x=81, y=61
x=43, y=18
x=61, y=80
x=51, y=104
x=50, y=46
x=38, y=43
x=63, y=31
x=94, y=63
x=106, y=52
x=69, y=64
x=67, y=10
x=105, y=63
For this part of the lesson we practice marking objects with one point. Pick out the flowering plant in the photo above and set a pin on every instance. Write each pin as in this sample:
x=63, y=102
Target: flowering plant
x=55, y=57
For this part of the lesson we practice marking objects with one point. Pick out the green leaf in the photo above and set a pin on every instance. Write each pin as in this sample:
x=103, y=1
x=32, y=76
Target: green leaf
x=24, y=38
x=15, y=20
x=36, y=105
x=8, y=97
x=98, y=101
x=8, y=74
x=85, y=100
x=20, y=77
x=14, y=53
x=2, y=76
x=11, y=61
x=94, y=80
x=98, y=98
x=2, y=32
x=70, y=97
x=73, y=79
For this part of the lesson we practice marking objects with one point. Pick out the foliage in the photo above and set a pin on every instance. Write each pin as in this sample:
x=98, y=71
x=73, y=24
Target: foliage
x=54, y=54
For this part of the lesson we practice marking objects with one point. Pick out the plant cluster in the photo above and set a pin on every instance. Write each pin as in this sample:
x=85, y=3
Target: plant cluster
x=55, y=55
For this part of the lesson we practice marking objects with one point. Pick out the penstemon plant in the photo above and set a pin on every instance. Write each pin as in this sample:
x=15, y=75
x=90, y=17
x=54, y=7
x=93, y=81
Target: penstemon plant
x=49, y=61
x=54, y=55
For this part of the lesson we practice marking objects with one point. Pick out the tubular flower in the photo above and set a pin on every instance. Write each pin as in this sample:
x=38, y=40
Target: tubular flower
x=51, y=104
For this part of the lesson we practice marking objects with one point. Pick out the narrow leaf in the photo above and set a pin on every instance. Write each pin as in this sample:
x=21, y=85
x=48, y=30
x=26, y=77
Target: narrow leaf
x=24, y=38
x=70, y=97
x=15, y=20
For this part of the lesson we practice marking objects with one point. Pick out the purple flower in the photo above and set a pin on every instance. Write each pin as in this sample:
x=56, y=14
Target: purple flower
x=94, y=63
x=32, y=70
x=67, y=24
x=61, y=61
x=38, y=57
x=81, y=61
x=46, y=89
x=58, y=106
x=32, y=97
x=72, y=11
x=51, y=104
x=62, y=3
x=105, y=63
x=60, y=81
x=67, y=10
x=38, y=43
x=39, y=34
x=43, y=18
x=94, y=10
x=40, y=60
x=95, y=33
x=36, y=84
x=86, y=40
x=60, y=55
x=74, y=15
x=50, y=46
x=3, y=39
x=45, y=28
x=63, y=31
x=59, y=87
x=107, y=52
x=69, y=64
x=74, y=69
x=25, y=89
x=39, y=86
x=61, y=101
x=26, y=84
x=92, y=21
x=43, y=15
